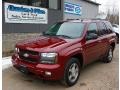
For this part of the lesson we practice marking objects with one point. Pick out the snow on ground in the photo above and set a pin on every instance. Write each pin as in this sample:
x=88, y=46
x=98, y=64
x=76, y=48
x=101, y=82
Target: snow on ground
x=6, y=62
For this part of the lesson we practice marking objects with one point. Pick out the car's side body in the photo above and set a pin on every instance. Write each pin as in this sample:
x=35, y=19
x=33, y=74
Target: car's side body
x=86, y=51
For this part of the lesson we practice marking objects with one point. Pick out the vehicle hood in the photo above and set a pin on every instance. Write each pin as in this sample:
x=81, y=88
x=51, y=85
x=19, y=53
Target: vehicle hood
x=43, y=43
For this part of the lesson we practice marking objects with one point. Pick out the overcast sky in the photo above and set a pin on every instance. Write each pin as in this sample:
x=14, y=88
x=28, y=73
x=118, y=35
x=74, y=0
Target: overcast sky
x=107, y=4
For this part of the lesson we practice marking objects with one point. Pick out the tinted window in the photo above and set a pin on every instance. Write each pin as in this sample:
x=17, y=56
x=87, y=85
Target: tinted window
x=92, y=28
x=102, y=28
x=92, y=31
x=73, y=30
x=109, y=27
x=106, y=30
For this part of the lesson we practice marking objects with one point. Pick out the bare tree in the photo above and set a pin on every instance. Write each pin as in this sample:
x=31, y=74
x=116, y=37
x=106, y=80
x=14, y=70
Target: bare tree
x=113, y=15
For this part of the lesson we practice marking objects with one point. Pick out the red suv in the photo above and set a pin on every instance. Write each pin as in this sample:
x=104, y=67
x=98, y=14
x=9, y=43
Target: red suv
x=61, y=52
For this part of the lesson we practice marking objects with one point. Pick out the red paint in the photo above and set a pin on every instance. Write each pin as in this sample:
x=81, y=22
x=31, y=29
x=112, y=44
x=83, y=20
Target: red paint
x=90, y=50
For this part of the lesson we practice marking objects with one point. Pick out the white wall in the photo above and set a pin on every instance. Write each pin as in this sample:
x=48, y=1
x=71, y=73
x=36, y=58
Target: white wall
x=89, y=10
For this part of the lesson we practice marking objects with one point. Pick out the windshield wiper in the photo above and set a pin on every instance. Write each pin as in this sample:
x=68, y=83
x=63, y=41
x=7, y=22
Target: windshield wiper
x=49, y=34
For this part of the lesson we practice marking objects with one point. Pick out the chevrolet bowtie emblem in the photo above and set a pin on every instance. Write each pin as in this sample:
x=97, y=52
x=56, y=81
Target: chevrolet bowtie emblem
x=26, y=55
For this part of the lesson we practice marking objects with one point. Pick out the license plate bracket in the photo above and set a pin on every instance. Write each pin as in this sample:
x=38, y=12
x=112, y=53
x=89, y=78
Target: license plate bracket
x=24, y=69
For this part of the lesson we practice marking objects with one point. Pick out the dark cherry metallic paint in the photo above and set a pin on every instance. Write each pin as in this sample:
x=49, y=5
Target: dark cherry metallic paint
x=66, y=48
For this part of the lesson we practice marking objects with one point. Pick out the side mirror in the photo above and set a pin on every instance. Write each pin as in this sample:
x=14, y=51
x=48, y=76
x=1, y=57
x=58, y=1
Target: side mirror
x=91, y=36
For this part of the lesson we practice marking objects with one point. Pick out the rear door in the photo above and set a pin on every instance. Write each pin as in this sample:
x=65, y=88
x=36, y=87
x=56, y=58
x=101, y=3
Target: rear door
x=92, y=47
x=103, y=38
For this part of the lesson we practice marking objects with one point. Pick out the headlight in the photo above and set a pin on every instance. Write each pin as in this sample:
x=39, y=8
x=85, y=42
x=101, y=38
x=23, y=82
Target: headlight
x=48, y=58
x=16, y=50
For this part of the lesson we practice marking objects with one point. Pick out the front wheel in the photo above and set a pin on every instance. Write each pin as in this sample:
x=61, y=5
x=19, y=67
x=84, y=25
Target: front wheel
x=72, y=72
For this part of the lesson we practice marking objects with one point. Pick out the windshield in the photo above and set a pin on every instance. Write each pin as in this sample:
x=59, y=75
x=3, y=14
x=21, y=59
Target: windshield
x=66, y=29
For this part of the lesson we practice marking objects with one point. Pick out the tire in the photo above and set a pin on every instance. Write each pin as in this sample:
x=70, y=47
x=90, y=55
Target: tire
x=72, y=72
x=117, y=38
x=109, y=56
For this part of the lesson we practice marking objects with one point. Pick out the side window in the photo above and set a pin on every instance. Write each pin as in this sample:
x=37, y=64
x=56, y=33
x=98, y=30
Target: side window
x=102, y=29
x=109, y=27
x=92, y=31
x=106, y=31
x=92, y=28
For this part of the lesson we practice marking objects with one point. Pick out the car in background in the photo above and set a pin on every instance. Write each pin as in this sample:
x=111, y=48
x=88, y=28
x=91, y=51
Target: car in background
x=116, y=30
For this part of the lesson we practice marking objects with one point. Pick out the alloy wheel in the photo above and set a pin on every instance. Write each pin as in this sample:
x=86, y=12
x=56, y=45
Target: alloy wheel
x=73, y=72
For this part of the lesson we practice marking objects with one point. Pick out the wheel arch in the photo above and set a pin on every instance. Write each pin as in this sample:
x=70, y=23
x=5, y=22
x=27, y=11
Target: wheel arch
x=79, y=56
x=113, y=45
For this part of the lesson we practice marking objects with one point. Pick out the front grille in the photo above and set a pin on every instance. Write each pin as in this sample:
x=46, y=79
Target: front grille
x=28, y=52
x=28, y=59
x=32, y=55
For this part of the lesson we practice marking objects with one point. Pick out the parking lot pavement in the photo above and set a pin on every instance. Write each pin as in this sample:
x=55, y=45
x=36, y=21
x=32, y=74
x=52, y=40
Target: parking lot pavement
x=96, y=76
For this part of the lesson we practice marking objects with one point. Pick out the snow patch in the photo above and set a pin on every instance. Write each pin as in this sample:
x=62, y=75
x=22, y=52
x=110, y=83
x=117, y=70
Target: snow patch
x=6, y=62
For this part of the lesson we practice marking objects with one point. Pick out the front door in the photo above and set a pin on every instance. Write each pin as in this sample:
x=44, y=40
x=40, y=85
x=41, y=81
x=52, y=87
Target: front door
x=92, y=45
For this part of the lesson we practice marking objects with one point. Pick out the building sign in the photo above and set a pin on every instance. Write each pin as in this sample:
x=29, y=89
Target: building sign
x=72, y=8
x=15, y=13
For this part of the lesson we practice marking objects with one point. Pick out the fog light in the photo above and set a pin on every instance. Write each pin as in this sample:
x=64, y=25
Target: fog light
x=47, y=73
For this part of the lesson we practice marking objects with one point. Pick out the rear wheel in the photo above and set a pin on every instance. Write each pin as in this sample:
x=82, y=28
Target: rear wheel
x=109, y=55
x=72, y=72
x=117, y=36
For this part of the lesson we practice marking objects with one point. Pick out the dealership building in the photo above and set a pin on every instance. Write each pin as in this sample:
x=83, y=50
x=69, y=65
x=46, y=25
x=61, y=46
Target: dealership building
x=25, y=18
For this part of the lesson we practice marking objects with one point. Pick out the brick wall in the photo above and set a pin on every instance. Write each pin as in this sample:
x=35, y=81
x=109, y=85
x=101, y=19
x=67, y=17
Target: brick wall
x=9, y=41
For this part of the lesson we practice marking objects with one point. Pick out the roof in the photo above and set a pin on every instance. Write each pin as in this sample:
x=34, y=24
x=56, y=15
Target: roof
x=89, y=1
x=84, y=20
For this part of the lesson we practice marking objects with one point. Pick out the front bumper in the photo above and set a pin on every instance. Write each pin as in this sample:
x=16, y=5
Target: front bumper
x=40, y=70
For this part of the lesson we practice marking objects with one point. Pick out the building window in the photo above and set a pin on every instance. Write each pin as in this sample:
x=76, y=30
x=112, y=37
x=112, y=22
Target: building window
x=52, y=4
x=23, y=2
x=40, y=3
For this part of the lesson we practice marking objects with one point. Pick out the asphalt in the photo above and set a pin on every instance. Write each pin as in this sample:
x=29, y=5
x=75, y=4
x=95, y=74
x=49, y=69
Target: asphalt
x=96, y=76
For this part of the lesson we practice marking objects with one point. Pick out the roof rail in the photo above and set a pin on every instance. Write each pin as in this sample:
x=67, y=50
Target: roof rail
x=82, y=19
x=87, y=19
x=97, y=19
x=73, y=19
